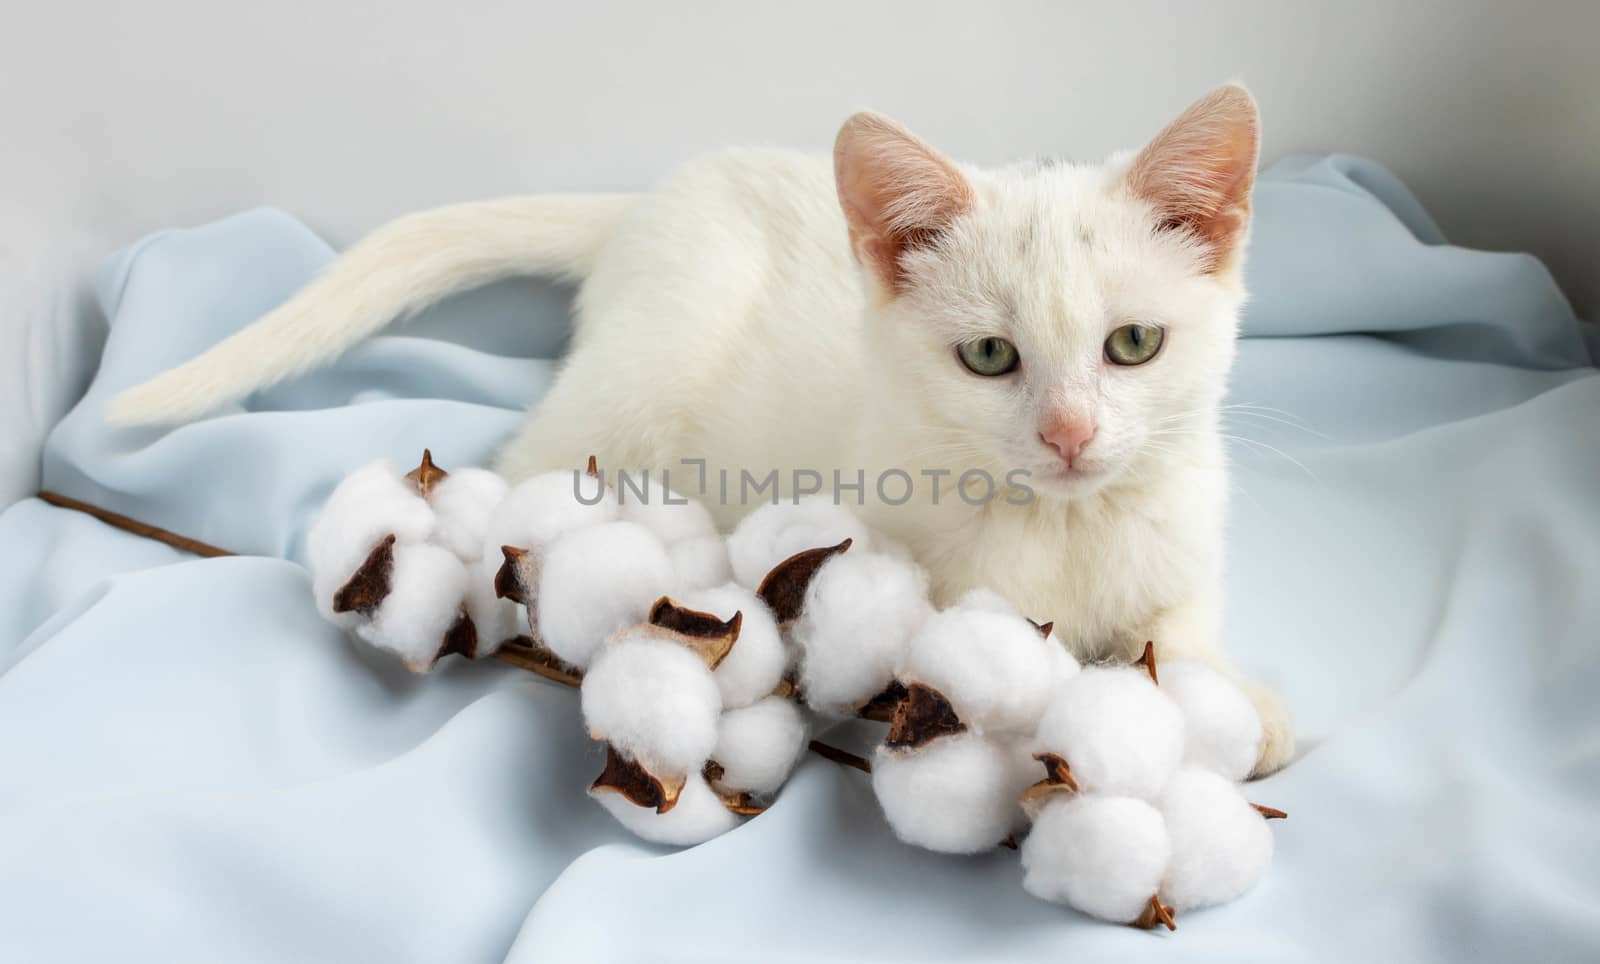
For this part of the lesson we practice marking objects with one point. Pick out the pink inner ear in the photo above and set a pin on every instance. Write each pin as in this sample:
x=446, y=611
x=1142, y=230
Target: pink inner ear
x=1198, y=173
x=897, y=193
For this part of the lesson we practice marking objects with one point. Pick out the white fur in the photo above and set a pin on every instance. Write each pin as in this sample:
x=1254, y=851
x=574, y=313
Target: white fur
x=463, y=503
x=958, y=794
x=399, y=270
x=1220, y=845
x=755, y=665
x=773, y=533
x=858, y=616
x=698, y=816
x=1118, y=733
x=758, y=745
x=595, y=581
x=1102, y=855
x=426, y=589
x=1221, y=726
x=538, y=511
x=700, y=562
x=994, y=668
x=653, y=699
x=368, y=505
x=742, y=315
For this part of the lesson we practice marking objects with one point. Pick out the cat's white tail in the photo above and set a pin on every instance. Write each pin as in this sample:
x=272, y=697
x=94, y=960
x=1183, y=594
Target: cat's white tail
x=398, y=270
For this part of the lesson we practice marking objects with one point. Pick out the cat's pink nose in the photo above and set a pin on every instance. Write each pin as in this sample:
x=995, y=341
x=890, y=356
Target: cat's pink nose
x=1068, y=434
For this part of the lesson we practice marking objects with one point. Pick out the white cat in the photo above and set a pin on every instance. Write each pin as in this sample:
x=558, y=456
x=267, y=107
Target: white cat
x=893, y=310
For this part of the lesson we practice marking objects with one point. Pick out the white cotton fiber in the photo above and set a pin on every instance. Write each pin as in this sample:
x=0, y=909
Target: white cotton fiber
x=755, y=665
x=1118, y=733
x=773, y=533
x=1220, y=844
x=994, y=668
x=463, y=502
x=858, y=616
x=370, y=504
x=595, y=581
x=1062, y=664
x=654, y=700
x=986, y=600
x=958, y=794
x=427, y=585
x=1222, y=727
x=494, y=619
x=670, y=516
x=539, y=510
x=1102, y=855
x=698, y=816
x=700, y=562
x=758, y=745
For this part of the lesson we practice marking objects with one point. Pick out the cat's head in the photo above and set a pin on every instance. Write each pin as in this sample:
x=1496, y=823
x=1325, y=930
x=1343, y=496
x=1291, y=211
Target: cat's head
x=1071, y=320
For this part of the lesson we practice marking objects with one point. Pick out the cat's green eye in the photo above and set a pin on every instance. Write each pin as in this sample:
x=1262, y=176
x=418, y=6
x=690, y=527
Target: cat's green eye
x=988, y=356
x=1133, y=344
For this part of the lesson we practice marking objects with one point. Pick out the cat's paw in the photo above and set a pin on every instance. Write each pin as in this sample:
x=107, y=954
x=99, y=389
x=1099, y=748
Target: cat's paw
x=1277, y=731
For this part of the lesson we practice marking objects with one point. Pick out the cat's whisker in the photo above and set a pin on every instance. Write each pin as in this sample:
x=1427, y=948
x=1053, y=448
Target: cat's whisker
x=1273, y=449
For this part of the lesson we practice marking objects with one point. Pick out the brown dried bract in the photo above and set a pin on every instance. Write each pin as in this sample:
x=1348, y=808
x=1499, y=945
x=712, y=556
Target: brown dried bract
x=784, y=588
x=709, y=636
x=1057, y=779
x=922, y=717
x=366, y=590
x=1148, y=661
x=426, y=475
x=881, y=708
x=1156, y=913
x=1045, y=629
x=592, y=470
x=510, y=580
x=641, y=787
x=1270, y=813
x=460, y=638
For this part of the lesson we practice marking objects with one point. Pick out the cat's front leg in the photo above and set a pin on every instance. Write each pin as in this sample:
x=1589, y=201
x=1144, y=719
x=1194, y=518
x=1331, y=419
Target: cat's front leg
x=1192, y=630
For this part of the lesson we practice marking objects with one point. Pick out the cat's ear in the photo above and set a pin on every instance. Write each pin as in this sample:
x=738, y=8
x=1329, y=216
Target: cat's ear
x=898, y=193
x=1199, y=171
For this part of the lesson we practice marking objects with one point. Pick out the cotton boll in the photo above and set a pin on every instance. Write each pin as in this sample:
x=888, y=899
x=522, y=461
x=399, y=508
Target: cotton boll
x=1103, y=855
x=958, y=794
x=755, y=665
x=427, y=585
x=1221, y=845
x=1222, y=727
x=994, y=668
x=670, y=516
x=595, y=581
x=654, y=700
x=859, y=613
x=773, y=533
x=886, y=545
x=370, y=504
x=700, y=562
x=986, y=600
x=463, y=502
x=1062, y=666
x=494, y=619
x=1118, y=733
x=758, y=745
x=698, y=816
x=537, y=511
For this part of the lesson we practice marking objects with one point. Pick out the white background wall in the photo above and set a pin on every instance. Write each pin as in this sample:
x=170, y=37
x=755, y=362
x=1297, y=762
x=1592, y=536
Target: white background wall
x=117, y=119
